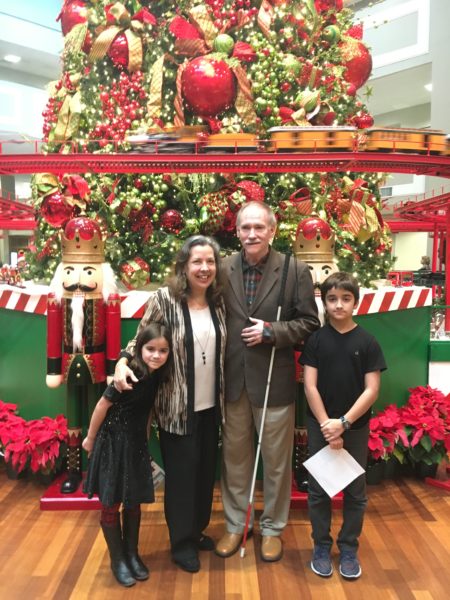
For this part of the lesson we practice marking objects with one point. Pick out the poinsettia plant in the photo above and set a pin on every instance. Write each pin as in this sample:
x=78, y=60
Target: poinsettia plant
x=387, y=436
x=36, y=443
x=417, y=432
x=426, y=419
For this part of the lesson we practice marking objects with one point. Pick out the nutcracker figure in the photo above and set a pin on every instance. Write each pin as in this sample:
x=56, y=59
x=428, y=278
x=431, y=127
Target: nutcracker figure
x=83, y=330
x=314, y=245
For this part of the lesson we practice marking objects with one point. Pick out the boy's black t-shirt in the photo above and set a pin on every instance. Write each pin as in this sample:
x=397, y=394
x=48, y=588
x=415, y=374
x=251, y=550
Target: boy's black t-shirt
x=342, y=360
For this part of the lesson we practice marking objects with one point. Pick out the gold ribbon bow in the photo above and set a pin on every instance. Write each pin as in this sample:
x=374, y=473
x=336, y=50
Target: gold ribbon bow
x=132, y=29
x=70, y=111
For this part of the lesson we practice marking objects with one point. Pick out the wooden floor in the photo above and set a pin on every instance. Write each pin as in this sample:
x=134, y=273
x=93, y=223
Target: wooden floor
x=405, y=554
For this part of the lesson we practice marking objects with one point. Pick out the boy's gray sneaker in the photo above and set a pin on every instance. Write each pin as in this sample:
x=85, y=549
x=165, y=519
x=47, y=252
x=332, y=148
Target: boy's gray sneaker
x=349, y=566
x=321, y=561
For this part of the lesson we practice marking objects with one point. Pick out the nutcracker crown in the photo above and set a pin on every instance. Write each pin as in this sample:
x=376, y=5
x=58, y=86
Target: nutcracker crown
x=314, y=241
x=81, y=242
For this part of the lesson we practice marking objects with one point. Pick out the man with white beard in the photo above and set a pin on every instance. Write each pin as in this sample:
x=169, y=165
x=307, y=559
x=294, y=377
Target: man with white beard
x=83, y=330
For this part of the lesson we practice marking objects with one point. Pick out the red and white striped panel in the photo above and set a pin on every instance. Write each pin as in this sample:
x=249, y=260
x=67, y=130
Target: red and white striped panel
x=133, y=304
x=33, y=299
x=389, y=299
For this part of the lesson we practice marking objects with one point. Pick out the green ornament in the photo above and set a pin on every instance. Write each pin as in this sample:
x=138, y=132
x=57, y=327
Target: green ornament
x=332, y=34
x=261, y=103
x=291, y=64
x=308, y=99
x=224, y=43
x=191, y=226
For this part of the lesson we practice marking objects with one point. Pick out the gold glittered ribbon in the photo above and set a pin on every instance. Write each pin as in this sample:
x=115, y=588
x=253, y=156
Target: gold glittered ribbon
x=131, y=28
x=191, y=48
x=70, y=111
x=244, y=97
x=201, y=19
x=265, y=18
x=178, y=102
x=154, y=103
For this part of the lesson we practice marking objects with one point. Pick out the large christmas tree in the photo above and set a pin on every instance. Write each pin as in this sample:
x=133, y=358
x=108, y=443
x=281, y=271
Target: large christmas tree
x=231, y=66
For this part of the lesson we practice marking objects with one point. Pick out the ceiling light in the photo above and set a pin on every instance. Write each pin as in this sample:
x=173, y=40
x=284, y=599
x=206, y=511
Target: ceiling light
x=428, y=87
x=12, y=58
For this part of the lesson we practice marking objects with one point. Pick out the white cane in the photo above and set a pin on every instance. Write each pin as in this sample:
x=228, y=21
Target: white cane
x=263, y=416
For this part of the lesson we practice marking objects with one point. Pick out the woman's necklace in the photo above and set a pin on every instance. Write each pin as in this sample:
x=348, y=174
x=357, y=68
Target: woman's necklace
x=203, y=348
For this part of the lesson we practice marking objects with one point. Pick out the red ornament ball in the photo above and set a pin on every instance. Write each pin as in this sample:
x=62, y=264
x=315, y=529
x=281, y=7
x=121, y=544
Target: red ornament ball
x=118, y=51
x=314, y=226
x=208, y=86
x=73, y=12
x=172, y=221
x=357, y=60
x=55, y=211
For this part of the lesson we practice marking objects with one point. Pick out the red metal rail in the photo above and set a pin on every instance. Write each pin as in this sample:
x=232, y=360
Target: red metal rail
x=234, y=162
x=16, y=215
x=413, y=226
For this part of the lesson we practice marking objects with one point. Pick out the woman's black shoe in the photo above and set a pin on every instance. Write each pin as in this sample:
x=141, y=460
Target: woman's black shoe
x=206, y=543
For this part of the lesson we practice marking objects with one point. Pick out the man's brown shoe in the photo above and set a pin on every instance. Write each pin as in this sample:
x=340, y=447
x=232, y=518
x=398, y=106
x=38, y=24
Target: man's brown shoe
x=271, y=548
x=228, y=544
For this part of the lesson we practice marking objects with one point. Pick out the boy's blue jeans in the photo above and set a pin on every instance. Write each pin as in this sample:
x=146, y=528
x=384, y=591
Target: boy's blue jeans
x=355, y=500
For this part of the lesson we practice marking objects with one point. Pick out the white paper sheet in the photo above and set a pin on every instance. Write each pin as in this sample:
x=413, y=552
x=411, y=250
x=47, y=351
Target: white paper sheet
x=333, y=469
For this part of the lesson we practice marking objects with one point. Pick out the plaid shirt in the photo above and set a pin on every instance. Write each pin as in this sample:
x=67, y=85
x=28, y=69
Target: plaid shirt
x=252, y=276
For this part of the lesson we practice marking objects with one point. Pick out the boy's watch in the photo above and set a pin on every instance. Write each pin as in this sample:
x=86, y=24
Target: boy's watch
x=345, y=423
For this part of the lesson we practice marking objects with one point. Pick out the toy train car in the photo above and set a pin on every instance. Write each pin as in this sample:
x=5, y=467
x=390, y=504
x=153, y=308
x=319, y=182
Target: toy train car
x=346, y=138
x=311, y=139
x=194, y=139
x=230, y=143
x=418, y=141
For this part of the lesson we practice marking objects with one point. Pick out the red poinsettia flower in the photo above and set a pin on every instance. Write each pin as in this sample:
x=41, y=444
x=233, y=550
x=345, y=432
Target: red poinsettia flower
x=183, y=30
x=243, y=52
x=145, y=16
x=426, y=421
x=75, y=185
x=36, y=443
x=422, y=424
x=382, y=436
x=6, y=409
x=286, y=114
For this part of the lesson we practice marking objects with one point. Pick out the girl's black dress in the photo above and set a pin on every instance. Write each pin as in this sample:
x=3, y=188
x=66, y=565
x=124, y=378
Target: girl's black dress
x=119, y=467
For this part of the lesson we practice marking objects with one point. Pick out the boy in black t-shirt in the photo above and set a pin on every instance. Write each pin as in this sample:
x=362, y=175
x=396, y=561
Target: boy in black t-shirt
x=342, y=365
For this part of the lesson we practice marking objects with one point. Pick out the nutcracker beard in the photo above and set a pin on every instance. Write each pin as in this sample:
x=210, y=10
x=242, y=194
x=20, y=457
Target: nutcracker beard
x=77, y=321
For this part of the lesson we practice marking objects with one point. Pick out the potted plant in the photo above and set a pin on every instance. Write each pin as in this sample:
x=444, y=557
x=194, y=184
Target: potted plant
x=35, y=445
x=11, y=427
x=384, y=430
x=426, y=420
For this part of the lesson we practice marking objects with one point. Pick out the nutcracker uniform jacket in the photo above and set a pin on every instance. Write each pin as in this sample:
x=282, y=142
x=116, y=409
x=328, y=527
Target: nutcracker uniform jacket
x=174, y=403
x=101, y=340
x=249, y=366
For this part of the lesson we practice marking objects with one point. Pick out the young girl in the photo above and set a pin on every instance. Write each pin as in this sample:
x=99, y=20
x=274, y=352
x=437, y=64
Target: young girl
x=119, y=468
